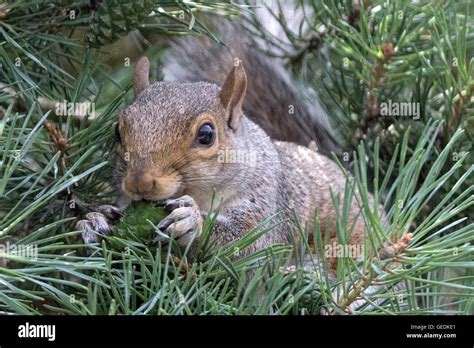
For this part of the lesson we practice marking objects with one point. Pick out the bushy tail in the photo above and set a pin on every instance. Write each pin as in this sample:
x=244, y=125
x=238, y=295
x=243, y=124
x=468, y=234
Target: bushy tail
x=272, y=100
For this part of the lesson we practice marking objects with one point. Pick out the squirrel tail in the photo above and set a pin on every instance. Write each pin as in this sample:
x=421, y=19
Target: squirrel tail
x=272, y=100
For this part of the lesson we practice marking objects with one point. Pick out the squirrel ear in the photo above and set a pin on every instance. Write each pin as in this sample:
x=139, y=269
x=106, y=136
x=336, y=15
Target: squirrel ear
x=140, y=80
x=233, y=92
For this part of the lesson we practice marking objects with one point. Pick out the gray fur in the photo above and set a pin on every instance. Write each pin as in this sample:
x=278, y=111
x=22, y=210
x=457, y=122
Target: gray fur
x=283, y=175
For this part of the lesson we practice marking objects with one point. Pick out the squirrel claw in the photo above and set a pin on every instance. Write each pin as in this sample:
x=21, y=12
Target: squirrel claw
x=92, y=228
x=112, y=213
x=184, y=223
x=181, y=202
x=88, y=234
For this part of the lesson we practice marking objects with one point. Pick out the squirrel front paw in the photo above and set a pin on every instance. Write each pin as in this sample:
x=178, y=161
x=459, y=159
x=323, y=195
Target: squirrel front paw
x=98, y=223
x=184, y=223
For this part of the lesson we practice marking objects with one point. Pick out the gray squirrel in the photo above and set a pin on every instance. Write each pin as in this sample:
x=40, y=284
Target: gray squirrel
x=224, y=125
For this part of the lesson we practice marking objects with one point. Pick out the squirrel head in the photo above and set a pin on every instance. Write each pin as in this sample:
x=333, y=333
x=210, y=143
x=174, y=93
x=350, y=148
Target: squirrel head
x=170, y=137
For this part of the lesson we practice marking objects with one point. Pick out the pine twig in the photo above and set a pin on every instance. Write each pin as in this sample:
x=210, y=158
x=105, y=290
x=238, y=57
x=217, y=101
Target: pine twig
x=389, y=250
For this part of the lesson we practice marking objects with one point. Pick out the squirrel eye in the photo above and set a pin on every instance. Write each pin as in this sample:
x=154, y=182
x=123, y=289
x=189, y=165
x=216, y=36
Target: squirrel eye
x=206, y=135
x=117, y=134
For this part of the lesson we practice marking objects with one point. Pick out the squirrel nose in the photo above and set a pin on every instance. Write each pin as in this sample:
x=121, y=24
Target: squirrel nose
x=140, y=184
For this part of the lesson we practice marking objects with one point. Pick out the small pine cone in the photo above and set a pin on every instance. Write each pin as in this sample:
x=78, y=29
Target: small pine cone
x=393, y=249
